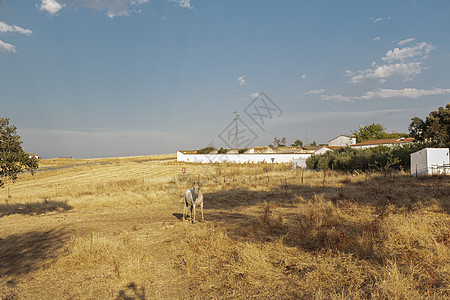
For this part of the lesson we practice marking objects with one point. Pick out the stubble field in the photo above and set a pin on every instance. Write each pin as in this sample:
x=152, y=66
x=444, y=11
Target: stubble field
x=112, y=229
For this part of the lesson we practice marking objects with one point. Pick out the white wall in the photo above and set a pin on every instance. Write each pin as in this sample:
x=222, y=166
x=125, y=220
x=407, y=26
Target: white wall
x=299, y=163
x=342, y=141
x=430, y=161
x=419, y=163
x=240, y=158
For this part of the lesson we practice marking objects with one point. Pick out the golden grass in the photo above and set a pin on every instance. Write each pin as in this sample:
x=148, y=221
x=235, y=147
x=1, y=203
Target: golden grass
x=113, y=231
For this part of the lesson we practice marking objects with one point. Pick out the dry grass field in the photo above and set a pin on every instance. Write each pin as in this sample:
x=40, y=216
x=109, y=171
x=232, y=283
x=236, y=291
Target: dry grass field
x=112, y=229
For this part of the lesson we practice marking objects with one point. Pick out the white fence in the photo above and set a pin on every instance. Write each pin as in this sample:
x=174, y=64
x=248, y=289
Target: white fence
x=241, y=158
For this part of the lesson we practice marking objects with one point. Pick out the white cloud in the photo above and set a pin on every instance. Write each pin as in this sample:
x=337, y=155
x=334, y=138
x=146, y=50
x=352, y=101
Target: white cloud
x=113, y=8
x=50, y=6
x=255, y=95
x=339, y=98
x=312, y=92
x=406, y=93
x=377, y=38
x=22, y=30
x=5, y=28
x=241, y=81
x=420, y=51
x=401, y=43
x=350, y=73
x=183, y=3
x=13, y=28
x=402, y=64
x=412, y=93
x=377, y=20
x=303, y=76
x=402, y=71
x=5, y=47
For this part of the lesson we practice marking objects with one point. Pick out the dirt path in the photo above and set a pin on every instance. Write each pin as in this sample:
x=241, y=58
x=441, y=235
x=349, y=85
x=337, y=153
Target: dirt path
x=28, y=243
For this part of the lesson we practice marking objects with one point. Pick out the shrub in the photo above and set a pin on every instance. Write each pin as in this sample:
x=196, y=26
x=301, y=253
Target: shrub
x=222, y=151
x=379, y=158
x=206, y=150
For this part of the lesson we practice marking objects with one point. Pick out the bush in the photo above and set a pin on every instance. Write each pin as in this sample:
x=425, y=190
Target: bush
x=379, y=158
x=206, y=150
x=223, y=151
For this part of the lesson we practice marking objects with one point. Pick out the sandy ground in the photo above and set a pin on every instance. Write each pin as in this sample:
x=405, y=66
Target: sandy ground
x=28, y=243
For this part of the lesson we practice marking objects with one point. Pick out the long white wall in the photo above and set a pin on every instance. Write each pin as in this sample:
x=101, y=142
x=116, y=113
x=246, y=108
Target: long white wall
x=240, y=158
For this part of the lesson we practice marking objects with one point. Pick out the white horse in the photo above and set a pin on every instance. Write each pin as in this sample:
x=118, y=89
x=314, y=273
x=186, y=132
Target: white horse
x=192, y=198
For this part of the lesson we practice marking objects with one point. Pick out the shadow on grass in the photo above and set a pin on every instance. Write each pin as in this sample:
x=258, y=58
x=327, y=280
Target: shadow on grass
x=33, y=208
x=178, y=216
x=318, y=225
x=24, y=253
x=403, y=192
x=132, y=292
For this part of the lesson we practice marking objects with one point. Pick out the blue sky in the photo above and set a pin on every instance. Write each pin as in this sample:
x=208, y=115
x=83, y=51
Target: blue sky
x=105, y=78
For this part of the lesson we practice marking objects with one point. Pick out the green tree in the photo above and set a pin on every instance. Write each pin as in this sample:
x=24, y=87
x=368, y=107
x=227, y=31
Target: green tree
x=297, y=143
x=370, y=132
x=13, y=160
x=435, y=130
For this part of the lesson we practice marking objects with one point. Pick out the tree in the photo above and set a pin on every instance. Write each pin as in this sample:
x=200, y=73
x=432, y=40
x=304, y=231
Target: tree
x=314, y=143
x=435, y=130
x=370, y=132
x=375, y=132
x=279, y=142
x=297, y=143
x=13, y=159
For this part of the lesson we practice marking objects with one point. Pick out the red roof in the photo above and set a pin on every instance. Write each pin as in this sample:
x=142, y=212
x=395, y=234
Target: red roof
x=385, y=141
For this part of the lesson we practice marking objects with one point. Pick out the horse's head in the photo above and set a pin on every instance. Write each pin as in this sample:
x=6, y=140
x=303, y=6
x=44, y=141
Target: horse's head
x=196, y=189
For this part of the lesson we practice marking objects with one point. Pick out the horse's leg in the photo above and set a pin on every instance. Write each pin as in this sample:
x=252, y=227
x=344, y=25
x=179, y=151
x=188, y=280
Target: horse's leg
x=201, y=207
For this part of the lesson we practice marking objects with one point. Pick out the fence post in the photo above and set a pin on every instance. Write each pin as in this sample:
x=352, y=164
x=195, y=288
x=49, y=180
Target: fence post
x=324, y=175
x=286, y=185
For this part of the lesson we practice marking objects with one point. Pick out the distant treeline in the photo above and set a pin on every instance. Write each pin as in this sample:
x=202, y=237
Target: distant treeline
x=379, y=158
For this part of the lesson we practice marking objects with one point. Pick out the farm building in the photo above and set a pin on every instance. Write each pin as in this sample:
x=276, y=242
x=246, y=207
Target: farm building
x=342, y=141
x=430, y=161
x=252, y=155
x=34, y=155
x=383, y=142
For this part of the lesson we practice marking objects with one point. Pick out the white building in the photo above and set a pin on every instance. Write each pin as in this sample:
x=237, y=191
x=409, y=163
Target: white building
x=342, y=141
x=430, y=161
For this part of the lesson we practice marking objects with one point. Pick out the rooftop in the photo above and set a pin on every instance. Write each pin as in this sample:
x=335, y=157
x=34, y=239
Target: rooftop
x=267, y=150
x=385, y=141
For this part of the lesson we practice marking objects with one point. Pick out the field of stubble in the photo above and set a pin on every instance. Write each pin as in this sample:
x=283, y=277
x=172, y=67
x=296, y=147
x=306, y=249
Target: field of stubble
x=112, y=229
